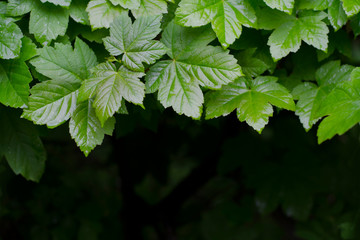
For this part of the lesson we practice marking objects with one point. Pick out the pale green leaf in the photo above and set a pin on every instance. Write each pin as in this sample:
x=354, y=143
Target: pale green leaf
x=134, y=41
x=282, y=5
x=63, y=3
x=110, y=84
x=251, y=98
x=85, y=127
x=48, y=22
x=21, y=146
x=309, y=27
x=102, y=13
x=351, y=7
x=193, y=64
x=64, y=63
x=130, y=4
x=52, y=102
x=342, y=108
x=336, y=14
x=10, y=41
x=311, y=96
x=226, y=17
x=150, y=8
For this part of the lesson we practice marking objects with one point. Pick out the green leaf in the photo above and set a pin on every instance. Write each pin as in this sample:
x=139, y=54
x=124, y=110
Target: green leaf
x=282, y=5
x=252, y=98
x=150, y=8
x=130, y=4
x=63, y=3
x=342, y=108
x=48, y=22
x=226, y=17
x=64, y=63
x=22, y=146
x=253, y=62
x=102, y=13
x=10, y=41
x=85, y=127
x=351, y=7
x=311, y=96
x=110, y=84
x=318, y=5
x=134, y=41
x=52, y=102
x=193, y=64
x=19, y=7
x=336, y=14
x=355, y=24
x=78, y=12
x=14, y=83
x=307, y=27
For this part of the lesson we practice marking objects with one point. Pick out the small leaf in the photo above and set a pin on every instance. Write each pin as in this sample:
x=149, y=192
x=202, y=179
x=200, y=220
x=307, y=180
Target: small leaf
x=150, y=8
x=130, y=4
x=10, y=41
x=282, y=5
x=226, y=17
x=110, y=85
x=63, y=3
x=102, y=13
x=19, y=7
x=134, y=41
x=78, y=12
x=251, y=98
x=85, y=127
x=351, y=7
x=336, y=14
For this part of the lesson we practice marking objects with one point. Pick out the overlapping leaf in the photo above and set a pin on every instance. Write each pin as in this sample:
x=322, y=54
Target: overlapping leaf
x=150, y=8
x=342, y=108
x=310, y=96
x=109, y=85
x=130, y=4
x=10, y=41
x=290, y=31
x=64, y=3
x=251, y=98
x=21, y=145
x=52, y=102
x=134, y=41
x=226, y=17
x=86, y=129
x=193, y=64
x=282, y=5
x=102, y=13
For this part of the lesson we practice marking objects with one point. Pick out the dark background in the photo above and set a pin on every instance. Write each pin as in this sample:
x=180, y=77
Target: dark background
x=168, y=177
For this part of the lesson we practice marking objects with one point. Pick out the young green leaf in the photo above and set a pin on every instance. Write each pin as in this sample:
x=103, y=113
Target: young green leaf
x=282, y=5
x=85, y=127
x=310, y=96
x=193, y=64
x=336, y=14
x=110, y=84
x=251, y=98
x=150, y=8
x=14, y=83
x=288, y=35
x=130, y=4
x=351, y=7
x=21, y=145
x=341, y=108
x=226, y=17
x=63, y=3
x=102, y=13
x=134, y=41
x=10, y=41
x=64, y=63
